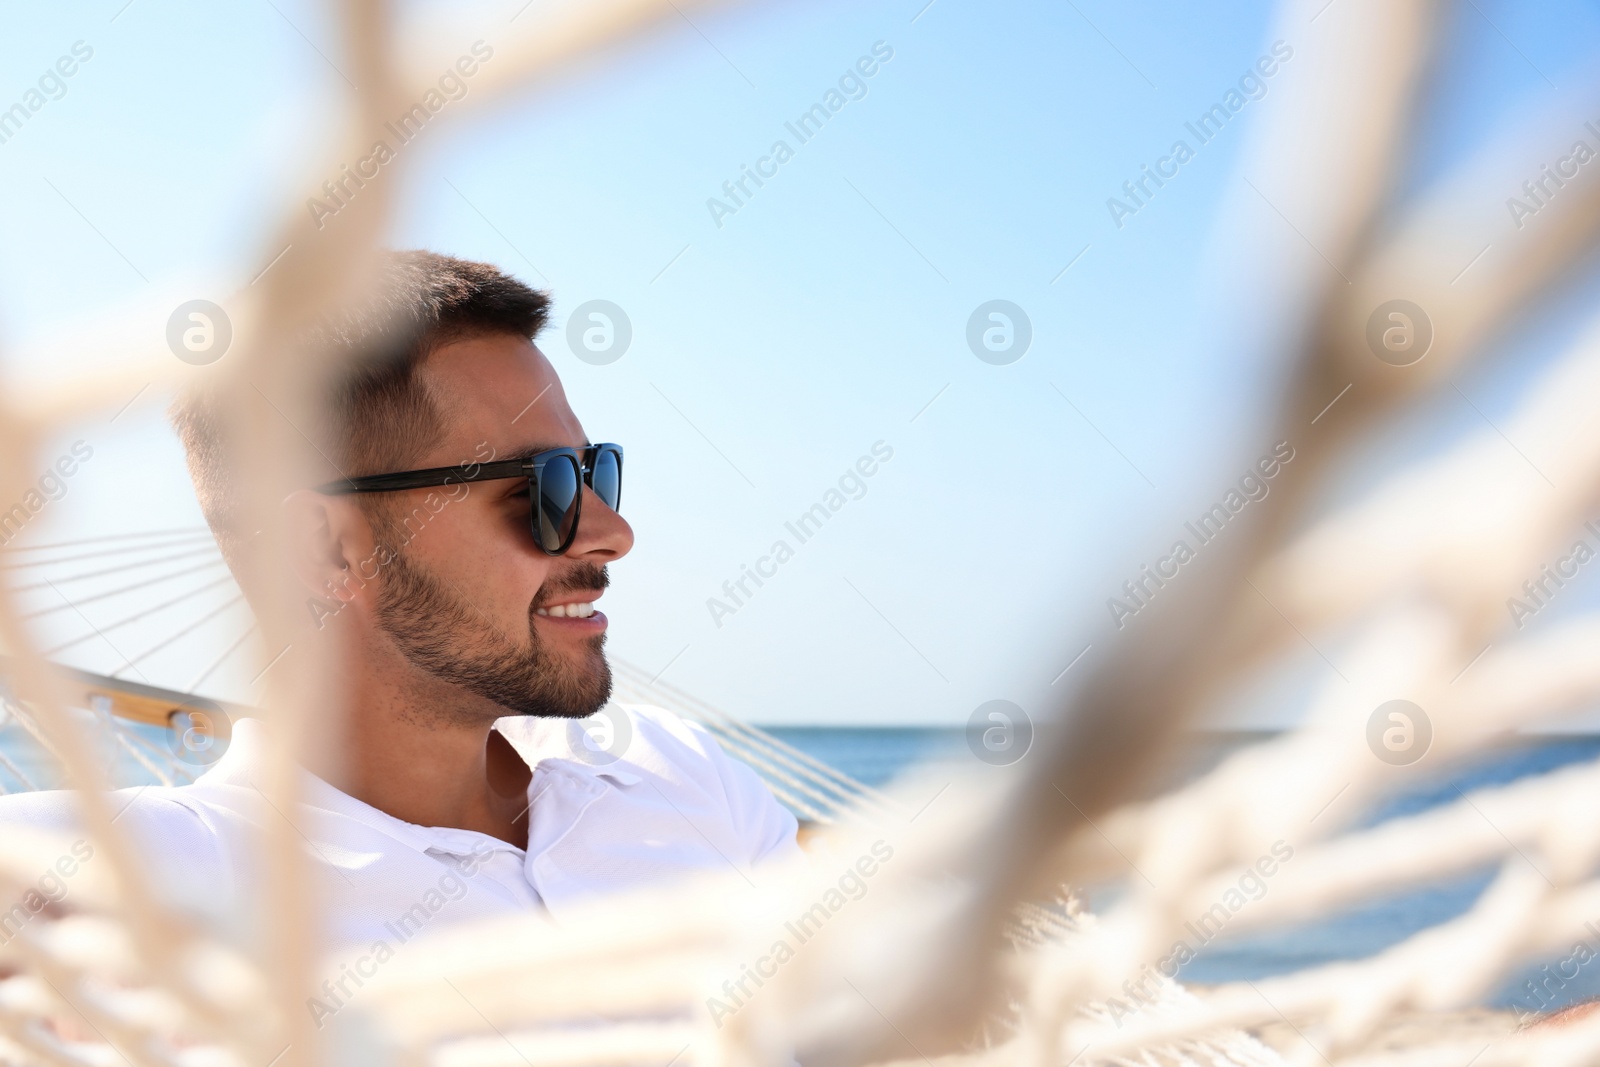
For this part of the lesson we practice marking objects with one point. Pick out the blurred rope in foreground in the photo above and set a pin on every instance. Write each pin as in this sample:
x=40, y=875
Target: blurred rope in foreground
x=963, y=951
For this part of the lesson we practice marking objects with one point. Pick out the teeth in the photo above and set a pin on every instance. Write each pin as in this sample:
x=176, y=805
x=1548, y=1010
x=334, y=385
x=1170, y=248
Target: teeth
x=567, y=611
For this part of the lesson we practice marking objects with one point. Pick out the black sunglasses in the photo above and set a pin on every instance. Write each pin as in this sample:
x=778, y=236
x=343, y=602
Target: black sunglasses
x=555, y=483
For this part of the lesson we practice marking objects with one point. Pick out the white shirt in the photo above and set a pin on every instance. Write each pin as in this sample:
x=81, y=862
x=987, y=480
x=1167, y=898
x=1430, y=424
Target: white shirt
x=673, y=803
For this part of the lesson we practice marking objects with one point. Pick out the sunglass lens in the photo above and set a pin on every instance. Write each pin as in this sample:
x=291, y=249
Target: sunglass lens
x=607, y=478
x=557, y=511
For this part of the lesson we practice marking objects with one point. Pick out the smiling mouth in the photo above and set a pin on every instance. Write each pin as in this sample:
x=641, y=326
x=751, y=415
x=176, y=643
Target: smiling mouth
x=581, y=609
x=577, y=604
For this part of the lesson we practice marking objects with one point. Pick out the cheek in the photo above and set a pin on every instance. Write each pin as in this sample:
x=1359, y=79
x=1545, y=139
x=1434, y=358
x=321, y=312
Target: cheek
x=499, y=591
x=486, y=550
x=520, y=582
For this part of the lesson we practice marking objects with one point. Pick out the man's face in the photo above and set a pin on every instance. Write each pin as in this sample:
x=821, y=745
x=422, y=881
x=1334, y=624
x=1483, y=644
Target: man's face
x=468, y=592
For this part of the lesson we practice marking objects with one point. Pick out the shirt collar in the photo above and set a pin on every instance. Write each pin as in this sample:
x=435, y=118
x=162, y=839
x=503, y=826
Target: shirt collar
x=543, y=744
x=537, y=740
x=540, y=741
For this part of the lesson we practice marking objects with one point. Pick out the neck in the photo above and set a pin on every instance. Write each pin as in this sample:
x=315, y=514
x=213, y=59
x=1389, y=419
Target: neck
x=420, y=750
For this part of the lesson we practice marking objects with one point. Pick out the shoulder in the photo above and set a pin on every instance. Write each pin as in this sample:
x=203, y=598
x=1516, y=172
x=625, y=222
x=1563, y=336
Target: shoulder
x=181, y=839
x=170, y=812
x=46, y=809
x=60, y=810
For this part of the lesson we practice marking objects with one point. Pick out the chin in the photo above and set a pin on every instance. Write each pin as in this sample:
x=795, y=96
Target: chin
x=584, y=686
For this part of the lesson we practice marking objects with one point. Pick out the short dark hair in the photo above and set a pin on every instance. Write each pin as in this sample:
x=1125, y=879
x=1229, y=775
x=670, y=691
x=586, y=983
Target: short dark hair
x=378, y=413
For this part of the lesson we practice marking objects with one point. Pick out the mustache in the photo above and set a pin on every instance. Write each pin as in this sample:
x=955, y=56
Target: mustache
x=580, y=577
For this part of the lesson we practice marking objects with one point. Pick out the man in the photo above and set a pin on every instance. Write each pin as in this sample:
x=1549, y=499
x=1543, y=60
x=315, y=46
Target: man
x=464, y=611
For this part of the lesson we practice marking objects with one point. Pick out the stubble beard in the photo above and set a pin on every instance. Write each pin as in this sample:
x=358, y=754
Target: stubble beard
x=439, y=631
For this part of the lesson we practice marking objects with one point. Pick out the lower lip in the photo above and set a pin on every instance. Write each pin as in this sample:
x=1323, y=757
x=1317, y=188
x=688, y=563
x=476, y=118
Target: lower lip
x=594, y=624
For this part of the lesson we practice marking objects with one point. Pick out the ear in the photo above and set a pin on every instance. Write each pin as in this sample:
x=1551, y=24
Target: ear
x=325, y=537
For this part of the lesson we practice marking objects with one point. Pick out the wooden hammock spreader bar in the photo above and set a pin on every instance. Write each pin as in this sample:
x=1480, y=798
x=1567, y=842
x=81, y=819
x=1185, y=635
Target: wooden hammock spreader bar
x=151, y=704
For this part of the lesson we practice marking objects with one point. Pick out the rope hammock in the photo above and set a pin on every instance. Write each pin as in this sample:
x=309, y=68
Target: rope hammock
x=964, y=948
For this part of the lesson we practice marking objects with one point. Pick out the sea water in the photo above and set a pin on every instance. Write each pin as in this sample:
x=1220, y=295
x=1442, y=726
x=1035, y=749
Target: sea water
x=874, y=755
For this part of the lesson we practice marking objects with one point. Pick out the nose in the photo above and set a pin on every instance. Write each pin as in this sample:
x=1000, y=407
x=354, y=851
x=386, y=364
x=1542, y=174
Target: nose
x=603, y=535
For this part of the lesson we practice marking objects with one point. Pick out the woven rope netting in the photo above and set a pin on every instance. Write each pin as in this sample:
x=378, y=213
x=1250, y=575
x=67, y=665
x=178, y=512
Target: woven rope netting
x=964, y=948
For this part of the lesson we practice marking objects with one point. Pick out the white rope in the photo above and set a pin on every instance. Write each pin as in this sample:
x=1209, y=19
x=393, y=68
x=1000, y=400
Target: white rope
x=103, y=714
x=51, y=561
x=158, y=580
x=190, y=628
x=908, y=971
x=138, y=535
x=46, y=583
x=817, y=805
x=849, y=789
x=16, y=772
x=221, y=658
x=832, y=789
x=143, y=614
x=24, y=717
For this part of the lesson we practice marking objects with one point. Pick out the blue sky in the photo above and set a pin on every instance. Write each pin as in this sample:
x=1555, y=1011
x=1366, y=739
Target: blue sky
x=771, y=352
